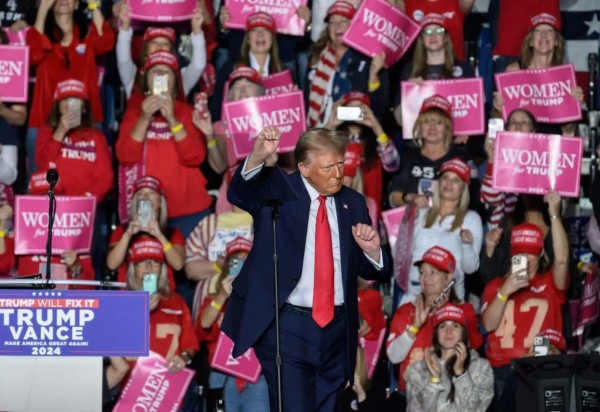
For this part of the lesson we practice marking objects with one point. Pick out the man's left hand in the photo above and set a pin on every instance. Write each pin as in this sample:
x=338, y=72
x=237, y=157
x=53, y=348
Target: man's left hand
x=367, y=239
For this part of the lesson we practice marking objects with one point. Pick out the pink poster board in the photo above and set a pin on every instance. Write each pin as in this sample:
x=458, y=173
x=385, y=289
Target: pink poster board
x=546, y=93
x=372, y=349
x=535, y=163
x=73, y=224
x=161, y=10
x=392, y=219
x=245, y=367
x=379, y=27
x=14, y=73
x=466, y=96
x=247, y=117
x=283, y=11
x=16, y=38
x=152, y=388
x=279, y=83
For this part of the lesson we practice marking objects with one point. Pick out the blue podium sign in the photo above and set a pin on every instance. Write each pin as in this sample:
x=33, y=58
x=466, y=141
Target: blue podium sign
x=74, y=323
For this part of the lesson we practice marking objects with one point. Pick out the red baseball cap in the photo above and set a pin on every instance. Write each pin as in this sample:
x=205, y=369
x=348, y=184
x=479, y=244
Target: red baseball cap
x=439, y=258
x=463, y=314
x=526, y=238
x=244, y=72
x=433, y=18
x=450, y=312
x=544, y=18
x=70, y=88
x=161, y=57
x=149, y=182
x=154, y=32
x=356, y=97
x=343, y=8
x=261, y=19
x=38, y=185
x=144, y=248
x=437, y=102
x=239, y=244
x=457, y=166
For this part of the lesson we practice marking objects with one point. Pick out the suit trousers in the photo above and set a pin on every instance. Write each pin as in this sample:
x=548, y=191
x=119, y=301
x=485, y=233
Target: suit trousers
x=314, y=371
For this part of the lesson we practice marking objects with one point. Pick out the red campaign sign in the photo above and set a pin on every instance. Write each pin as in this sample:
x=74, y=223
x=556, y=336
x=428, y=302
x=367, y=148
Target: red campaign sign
x=379, y=27
x=14, y=73
x=546, y=93
x=279, y=83
x=73, y=224
x=161, y=10
x=372, y=349
x=152, y=388
x=535, y=163
x=283, y=11
x=466, y=96
x=245, y=367
x=247, y=117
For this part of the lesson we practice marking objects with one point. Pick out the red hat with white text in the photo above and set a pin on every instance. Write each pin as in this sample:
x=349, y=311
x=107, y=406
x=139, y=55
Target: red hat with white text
x=261, y=19
x=544, y=18
x=70, y=88
x=244, y=72
x=463, y=314
x=436, y=102
x=450, y=312
x=161, y=57
x=38, y=185
x=526, y=238
x=439, y=258
x=356, y=97
x=154, y=32
x=146, y=248
x=457, y=166
x=433, y=18
x=239, y=244
x=343, y=8
x=148, y=182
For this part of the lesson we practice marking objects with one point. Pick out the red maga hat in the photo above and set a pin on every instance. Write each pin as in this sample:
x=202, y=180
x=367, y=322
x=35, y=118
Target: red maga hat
x=149, y=182
x=439, y=258
x=154, y=32
x=450, y=312
x=261, y=19
x=70, y=88
x=239, y=244
x=526, y=238
x=343, y=8
x=145, y=248
x=356, y=97
x=437, y=102
x=161, y=57
x=244, y=72
x=433, y=18
x=457, y=166
x=544, y=18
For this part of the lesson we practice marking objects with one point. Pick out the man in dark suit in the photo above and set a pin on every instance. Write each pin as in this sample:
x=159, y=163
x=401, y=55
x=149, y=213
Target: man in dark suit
x=318, y=269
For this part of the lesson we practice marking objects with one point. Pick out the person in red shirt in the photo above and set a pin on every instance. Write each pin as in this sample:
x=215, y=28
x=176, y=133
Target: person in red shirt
x=172, y=240
x=411, y=330
x=160, y=134
x=62, y=46
x=171, y=328
x=71, y=145
x=526, y=303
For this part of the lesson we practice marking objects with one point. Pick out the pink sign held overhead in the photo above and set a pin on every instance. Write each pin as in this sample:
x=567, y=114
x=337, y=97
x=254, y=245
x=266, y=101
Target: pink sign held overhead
x=247, y=117
x=279, y=83
x=465, y=95
x=535, y=163
x=283, y=11
x=245, y=367
x=73, y=224
x=161, y=10
x=379, y=27
x=14, y=73
x=152, y=387
x=546, y=93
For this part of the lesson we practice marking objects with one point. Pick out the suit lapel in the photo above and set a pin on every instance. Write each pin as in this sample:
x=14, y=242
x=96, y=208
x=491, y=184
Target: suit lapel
x=302, y=211
x=343, y=225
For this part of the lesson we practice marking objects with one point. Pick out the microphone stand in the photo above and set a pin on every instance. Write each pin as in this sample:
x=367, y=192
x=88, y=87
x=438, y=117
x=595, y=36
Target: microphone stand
x=273, y=204
x=51, y=214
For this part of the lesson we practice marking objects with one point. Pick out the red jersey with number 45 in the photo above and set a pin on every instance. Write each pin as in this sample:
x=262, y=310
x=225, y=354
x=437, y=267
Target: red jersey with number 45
x=529, y=312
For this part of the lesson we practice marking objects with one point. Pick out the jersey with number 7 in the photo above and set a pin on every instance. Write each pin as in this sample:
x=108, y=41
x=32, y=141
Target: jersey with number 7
x=529, y=312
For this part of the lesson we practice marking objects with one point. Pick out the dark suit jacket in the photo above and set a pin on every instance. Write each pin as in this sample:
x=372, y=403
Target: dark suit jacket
x=250, y=309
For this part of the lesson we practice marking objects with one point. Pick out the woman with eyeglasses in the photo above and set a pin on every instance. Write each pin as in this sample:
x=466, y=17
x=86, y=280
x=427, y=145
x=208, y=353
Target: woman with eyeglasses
x=434, y=57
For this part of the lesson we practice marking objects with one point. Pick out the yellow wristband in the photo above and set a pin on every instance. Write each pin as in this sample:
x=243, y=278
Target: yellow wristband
x=579, y=264
x=216, y=267
x=2, y=233
x=501, y=297
x=216, y=305
x=374, y=86
x=93, y=6
x=212, y=143
x=383, y=139
x=414, y=330
x=177, y=128
x=168, y=246
x=433, y=379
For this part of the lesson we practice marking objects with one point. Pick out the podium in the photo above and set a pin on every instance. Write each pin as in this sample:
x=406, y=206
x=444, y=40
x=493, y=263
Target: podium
x=52, y=342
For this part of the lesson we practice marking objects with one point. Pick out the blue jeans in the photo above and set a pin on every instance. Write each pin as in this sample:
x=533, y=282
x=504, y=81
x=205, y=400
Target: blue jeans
x=254, y=396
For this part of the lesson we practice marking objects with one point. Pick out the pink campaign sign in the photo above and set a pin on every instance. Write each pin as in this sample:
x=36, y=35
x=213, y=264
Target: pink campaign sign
x=16, y=38
x=278, y=83
x=161, y=10
x=466, y=96
x=73, y=224
x=14, y=73
x=546, y=93
x=379, y=27
x=247, y=117
x=536, y=163
x=152, y=388
x=372, y=349
x=283, y=11
x=392, y=219
x=245, y=367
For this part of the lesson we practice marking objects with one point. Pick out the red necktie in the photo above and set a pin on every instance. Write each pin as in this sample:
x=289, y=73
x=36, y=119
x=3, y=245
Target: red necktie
x=323, y=292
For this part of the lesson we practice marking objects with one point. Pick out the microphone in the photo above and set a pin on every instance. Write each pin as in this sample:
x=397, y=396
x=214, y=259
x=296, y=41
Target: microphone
x=52, y=177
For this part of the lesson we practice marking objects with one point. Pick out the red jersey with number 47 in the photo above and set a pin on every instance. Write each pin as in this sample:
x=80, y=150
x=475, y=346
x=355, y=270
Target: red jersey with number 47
x=529, y=312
